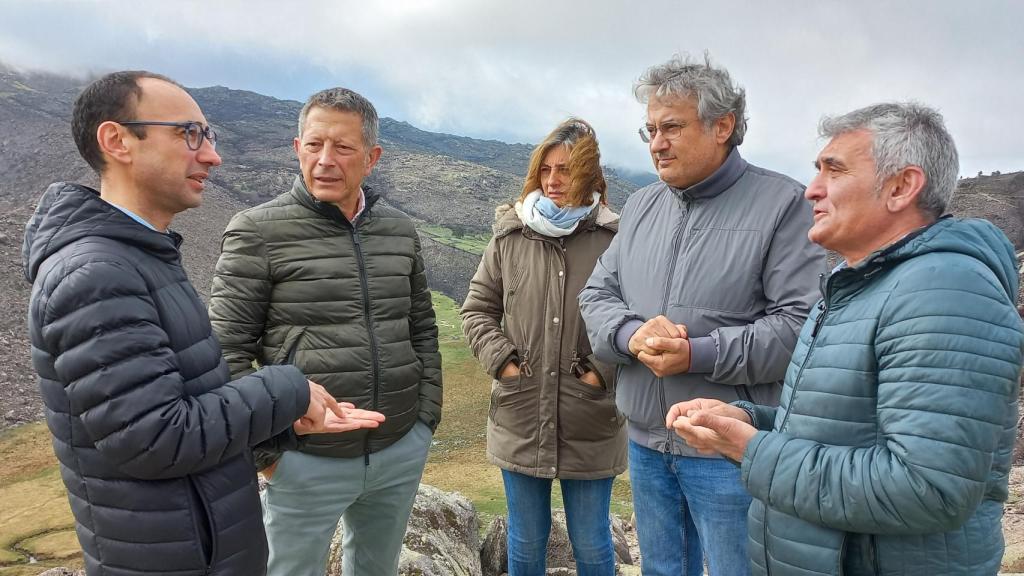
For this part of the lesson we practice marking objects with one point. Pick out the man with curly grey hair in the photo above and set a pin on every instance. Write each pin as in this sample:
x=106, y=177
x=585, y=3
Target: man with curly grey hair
x=701, y=294
x=891, y=449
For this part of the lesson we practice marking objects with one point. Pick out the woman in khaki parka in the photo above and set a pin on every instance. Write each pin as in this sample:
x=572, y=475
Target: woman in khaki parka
x=552, y=411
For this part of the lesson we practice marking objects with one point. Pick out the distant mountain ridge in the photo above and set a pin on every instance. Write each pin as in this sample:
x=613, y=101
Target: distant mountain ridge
x=440, y=180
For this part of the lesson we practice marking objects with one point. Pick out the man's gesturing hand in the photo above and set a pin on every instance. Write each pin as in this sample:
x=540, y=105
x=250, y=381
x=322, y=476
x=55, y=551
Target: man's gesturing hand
x=325, y=414
x=711, y=426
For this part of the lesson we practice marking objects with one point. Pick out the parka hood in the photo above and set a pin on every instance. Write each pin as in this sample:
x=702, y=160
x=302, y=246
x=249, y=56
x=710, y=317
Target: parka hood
x=974, y=237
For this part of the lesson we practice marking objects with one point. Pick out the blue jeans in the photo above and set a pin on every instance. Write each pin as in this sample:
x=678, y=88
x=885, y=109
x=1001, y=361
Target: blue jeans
x=686, y=506
x=586, y=517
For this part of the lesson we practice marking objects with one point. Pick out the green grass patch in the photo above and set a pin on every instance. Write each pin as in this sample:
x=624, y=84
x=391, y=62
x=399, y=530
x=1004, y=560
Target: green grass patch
x=474, y=242
x=35, y=517
x=53, y=545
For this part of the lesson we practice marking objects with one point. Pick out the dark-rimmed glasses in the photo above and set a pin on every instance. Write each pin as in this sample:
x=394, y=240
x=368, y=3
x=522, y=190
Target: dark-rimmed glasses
x=194, y=131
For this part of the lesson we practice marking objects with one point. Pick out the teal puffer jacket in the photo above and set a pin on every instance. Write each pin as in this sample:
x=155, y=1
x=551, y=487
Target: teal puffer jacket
x=890, y=451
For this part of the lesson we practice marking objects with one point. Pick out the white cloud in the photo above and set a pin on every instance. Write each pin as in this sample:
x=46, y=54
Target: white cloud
x=511, y=70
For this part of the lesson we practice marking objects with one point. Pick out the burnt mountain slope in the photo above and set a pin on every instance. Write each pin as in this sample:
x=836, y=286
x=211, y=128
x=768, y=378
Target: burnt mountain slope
x=438, y=179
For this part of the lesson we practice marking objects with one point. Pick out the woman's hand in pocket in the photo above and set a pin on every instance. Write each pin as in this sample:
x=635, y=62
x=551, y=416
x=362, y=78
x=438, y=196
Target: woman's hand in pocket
x=511, y=370
x=591, y=378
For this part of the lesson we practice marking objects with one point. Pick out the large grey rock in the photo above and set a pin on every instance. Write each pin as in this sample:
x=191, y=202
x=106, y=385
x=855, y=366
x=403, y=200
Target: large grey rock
x=442, y=538
x=494, y=551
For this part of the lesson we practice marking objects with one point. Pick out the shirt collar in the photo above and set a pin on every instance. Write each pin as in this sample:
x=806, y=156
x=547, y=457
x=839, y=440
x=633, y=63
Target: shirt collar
x=360, y=207
x=133, y=216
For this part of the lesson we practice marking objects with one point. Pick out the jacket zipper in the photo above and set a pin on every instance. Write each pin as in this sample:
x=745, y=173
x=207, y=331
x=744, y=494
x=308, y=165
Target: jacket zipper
x=676, y=245
x=823, y=307
x=818, y=323
x=875, y=563
x=374, y=352
x=743, y=391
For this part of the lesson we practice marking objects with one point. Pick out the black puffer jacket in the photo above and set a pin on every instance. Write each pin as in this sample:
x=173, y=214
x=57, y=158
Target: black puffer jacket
x=296, y=283
x=152, y=438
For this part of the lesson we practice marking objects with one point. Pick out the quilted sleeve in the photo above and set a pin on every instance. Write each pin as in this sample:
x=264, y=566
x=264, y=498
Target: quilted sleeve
x=123, y=380
x=948, y=351
x=241, y=294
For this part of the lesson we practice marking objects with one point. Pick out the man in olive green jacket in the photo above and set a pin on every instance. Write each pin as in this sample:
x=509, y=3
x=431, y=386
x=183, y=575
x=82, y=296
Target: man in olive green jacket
x=325, y=278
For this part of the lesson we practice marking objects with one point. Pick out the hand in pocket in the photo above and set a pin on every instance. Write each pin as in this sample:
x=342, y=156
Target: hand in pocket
x=591, y=378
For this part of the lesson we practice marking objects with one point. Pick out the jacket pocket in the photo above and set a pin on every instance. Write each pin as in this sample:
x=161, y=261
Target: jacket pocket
x=514, y=403
x=496, y=386
x=290, y=347
x=512, y=286
x=585, y=412
x=734, y=288
x=205, y=531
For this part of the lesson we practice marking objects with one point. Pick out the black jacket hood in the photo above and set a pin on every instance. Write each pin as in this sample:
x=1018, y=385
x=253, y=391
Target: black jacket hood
x=68, y=212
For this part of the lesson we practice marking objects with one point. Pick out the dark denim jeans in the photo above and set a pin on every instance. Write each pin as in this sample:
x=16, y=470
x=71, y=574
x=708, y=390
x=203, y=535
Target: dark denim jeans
x=586, y=517
x=685, y=507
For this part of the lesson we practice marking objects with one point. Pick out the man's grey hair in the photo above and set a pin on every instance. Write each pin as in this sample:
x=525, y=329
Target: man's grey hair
x=906, y=134
x=344, y=100
x=712, y=87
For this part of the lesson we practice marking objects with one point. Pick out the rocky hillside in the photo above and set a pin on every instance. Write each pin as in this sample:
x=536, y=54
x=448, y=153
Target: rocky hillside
x=444, y=181
x=440, y=180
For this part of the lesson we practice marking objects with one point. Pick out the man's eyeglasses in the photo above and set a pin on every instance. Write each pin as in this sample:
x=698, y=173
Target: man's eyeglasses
x=668, y=131
x=194, y=131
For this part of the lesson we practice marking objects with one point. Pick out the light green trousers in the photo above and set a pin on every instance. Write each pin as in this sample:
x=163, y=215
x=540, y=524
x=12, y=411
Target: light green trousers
x=307, y=494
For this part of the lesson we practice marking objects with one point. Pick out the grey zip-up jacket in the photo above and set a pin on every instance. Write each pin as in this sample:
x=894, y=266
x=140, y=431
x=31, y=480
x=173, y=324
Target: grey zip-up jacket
x=729, y=258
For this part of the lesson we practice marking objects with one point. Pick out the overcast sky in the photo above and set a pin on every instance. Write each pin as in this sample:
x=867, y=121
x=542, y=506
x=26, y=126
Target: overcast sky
x=511, y=70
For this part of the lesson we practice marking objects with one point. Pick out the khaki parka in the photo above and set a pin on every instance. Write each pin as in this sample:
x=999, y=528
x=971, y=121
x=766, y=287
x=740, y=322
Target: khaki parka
x=522, y=306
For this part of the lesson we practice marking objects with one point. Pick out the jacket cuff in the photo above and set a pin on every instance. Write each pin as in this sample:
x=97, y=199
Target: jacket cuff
x=512, y=356
x=624, y=333
x=429, y=420
x=703, y=355
x=759, y=463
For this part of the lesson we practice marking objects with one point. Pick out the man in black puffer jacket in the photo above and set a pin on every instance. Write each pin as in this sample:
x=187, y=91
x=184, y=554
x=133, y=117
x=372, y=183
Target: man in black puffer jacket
x=153, y=439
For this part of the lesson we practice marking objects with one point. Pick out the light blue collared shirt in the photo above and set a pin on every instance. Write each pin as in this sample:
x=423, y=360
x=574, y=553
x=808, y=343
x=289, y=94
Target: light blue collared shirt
x=133, y=216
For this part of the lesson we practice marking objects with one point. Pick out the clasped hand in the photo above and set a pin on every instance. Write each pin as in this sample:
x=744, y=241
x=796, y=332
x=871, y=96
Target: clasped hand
x=325, y=414
x=662, y=346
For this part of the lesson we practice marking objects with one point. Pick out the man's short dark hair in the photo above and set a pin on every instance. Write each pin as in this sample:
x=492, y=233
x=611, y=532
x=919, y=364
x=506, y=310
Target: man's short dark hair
x=112, y=97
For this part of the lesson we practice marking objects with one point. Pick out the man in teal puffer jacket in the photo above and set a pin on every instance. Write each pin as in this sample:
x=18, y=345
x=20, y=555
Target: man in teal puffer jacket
x=891, y=448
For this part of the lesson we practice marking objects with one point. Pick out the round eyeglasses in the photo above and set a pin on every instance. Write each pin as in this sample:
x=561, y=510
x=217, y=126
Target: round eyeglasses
x=194, y=132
